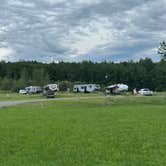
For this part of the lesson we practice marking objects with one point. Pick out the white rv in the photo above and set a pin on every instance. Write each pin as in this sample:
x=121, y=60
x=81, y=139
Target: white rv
x=50, y=90
x=86, y=88
x=117, y=89
x=33, y=89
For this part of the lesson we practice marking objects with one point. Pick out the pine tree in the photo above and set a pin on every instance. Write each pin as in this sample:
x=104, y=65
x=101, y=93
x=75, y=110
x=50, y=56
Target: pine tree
x=162, y=50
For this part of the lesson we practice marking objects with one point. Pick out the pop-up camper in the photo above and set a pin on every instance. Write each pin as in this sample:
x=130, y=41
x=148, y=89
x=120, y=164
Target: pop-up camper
x=86, y=88
x=50, y=90
x=117, y=89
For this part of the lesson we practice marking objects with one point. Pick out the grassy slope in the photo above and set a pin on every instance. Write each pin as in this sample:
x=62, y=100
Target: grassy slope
x=113, y=131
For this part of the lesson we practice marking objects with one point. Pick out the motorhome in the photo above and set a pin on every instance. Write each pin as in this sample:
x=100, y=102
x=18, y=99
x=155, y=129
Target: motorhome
x=117, y=89
x=33, y=89
x=86, y=88
x=50, y=90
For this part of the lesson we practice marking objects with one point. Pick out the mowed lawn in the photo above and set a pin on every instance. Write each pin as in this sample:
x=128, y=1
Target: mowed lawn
x=115, y=131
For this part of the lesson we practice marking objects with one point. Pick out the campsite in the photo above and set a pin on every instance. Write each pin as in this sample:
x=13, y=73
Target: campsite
x=115, y=130
x=61, y=118
x=87, y=125
x=82, y=83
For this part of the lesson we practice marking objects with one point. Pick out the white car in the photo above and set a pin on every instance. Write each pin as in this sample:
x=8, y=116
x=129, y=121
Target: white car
x=22, y=91
x=145, y=92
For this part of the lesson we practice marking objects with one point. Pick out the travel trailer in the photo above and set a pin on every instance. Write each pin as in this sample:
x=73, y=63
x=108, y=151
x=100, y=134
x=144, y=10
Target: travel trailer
x=33, y=89
x=50, y=90
x=117, y=89
x=86, y=88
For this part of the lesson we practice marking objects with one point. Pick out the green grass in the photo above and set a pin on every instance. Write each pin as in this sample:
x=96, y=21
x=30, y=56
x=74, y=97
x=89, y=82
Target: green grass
x=115, y=131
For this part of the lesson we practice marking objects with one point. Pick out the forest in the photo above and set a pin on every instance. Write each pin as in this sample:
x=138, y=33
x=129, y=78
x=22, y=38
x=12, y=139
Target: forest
x=142, y=74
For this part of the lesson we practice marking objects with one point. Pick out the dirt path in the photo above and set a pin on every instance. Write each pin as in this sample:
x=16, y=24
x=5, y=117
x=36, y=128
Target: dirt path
x=18, y=102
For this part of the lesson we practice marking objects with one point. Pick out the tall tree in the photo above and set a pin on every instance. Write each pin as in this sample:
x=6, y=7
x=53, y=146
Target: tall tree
x=162, y=50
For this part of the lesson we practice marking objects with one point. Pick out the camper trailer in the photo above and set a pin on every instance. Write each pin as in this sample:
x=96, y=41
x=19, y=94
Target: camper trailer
x=86, y=88
x=117, y=89
x=50, y=90
x=33, y=89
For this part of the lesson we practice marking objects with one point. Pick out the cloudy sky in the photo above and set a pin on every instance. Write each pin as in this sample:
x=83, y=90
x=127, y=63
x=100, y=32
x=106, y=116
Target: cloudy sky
x=76, y=30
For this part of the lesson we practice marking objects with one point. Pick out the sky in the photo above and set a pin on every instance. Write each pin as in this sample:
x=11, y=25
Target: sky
x=77, y=30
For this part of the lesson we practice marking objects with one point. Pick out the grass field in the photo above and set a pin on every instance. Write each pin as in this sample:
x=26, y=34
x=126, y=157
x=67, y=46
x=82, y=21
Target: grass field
x=115, y=131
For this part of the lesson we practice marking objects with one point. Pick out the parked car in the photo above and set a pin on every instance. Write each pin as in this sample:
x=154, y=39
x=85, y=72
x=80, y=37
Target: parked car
x=145, y=92
x=22, y=91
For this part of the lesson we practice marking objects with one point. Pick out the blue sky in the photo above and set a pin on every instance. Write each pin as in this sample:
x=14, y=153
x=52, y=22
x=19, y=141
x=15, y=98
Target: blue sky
x=76, y=30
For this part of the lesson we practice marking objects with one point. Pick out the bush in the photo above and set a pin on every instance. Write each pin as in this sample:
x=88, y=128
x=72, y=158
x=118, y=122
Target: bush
x=65, y=85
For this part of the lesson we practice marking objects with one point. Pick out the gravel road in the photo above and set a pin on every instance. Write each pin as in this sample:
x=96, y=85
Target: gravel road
x=18, y=102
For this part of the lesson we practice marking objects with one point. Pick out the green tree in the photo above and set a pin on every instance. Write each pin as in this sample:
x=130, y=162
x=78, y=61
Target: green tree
x=65, y=85
x=40, y=77
x=7, y=84
x=162, y=50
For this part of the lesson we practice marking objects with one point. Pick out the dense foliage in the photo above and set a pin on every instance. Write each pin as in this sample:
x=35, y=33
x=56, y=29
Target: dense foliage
x=144, y=73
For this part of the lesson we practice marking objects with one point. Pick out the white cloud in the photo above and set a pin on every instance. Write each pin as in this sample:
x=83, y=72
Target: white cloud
x=5, y=52
x=96, y=34
x=88, y=2
x=149, y=53
x=54, y=2
x=21, y=3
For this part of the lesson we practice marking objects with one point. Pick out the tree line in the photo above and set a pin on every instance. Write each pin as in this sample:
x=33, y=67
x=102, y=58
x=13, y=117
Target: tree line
x=142, y=74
